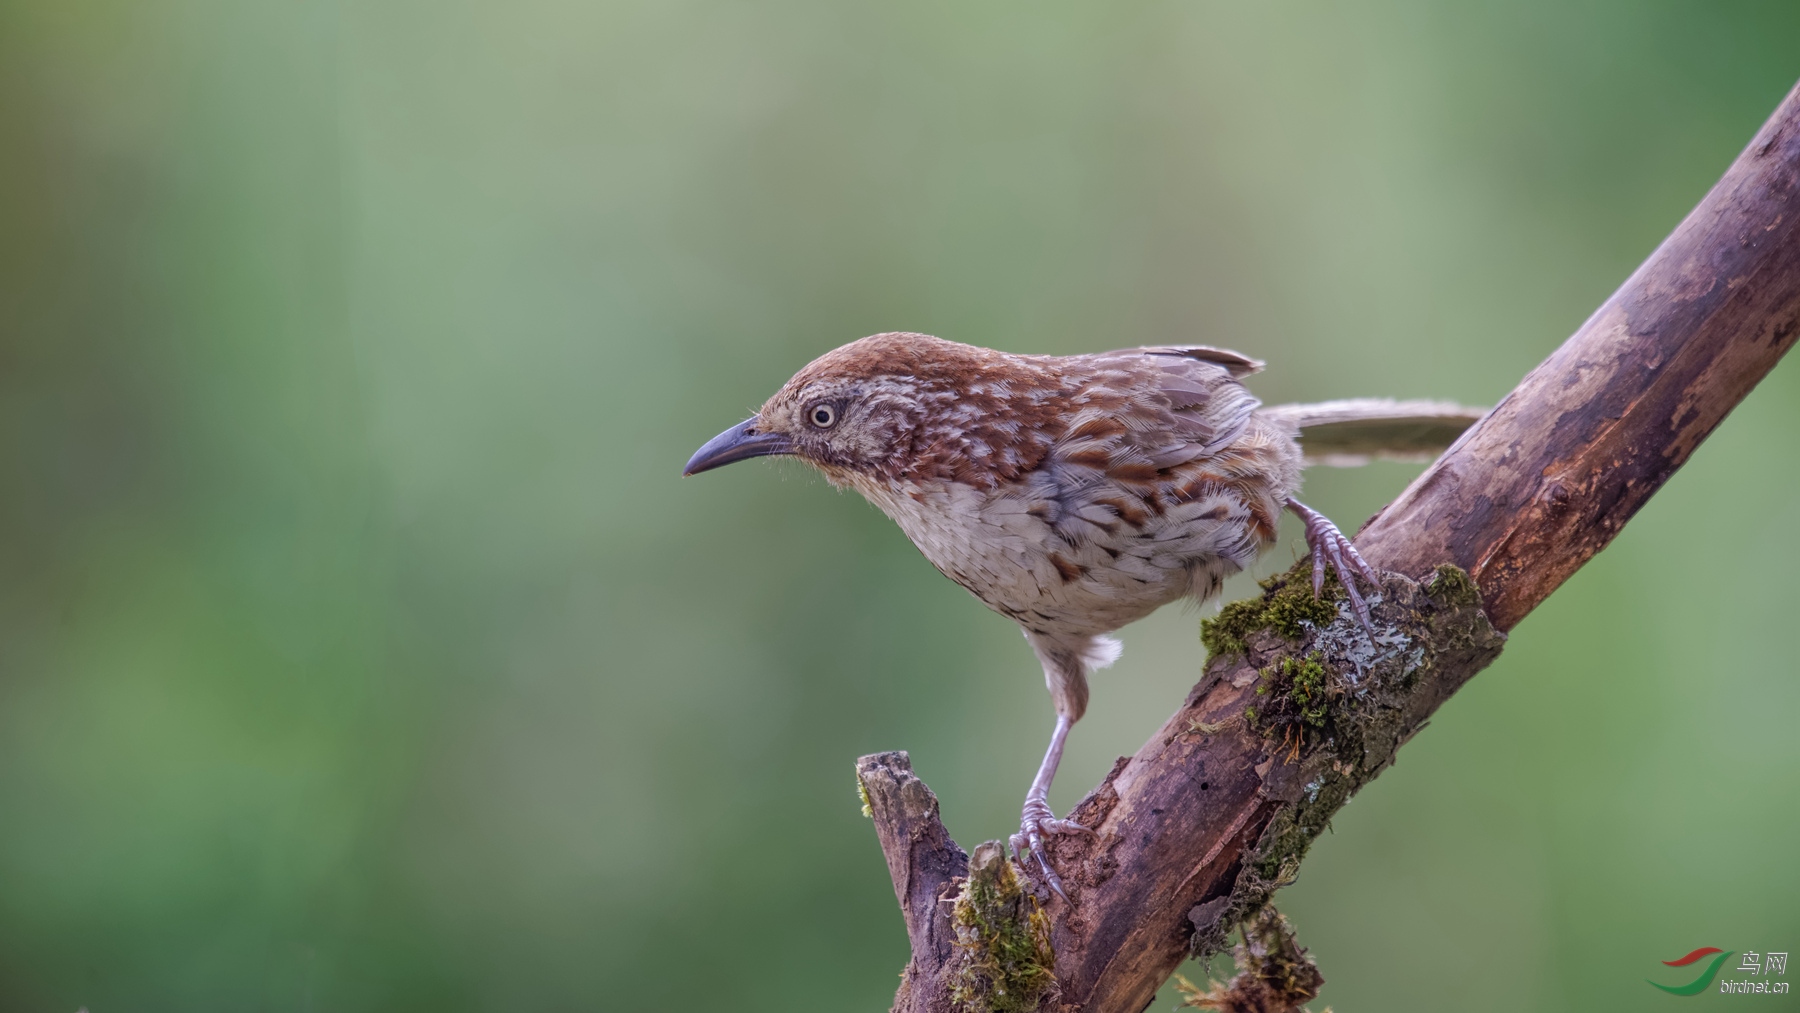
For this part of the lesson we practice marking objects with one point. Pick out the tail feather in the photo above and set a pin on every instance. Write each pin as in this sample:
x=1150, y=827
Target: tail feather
x=1357, y=430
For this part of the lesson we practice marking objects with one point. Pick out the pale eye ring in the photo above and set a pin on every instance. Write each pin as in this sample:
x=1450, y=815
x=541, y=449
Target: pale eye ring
x=822, y=416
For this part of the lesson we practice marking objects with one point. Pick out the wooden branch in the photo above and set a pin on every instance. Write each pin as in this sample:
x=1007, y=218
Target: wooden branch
x=1546, y=480
x=922, y=861
x=1297, y=709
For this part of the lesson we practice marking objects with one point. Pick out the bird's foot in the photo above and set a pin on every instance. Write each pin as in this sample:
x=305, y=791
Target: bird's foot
x=1330, y=546
x=1036, y=823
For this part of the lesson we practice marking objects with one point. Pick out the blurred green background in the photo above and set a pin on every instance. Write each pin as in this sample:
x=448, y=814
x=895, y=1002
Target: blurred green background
x=361, y=648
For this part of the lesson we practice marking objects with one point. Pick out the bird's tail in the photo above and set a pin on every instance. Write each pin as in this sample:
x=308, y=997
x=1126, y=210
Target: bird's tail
x=1358, y=430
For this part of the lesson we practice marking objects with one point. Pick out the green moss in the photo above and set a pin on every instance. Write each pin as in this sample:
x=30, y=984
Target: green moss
x=1287, y=606
x=862, y=793
x=1454, y=587
x=1306, y=681
x=1291, y=833
x=1004, y=963
x=1298, y=693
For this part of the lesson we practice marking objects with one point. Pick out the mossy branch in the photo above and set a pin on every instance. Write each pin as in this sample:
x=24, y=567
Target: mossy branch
x=1199, y=829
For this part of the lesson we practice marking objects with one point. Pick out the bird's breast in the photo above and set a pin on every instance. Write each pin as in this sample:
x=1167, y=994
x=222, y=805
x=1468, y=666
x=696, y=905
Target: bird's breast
x=1065, y=564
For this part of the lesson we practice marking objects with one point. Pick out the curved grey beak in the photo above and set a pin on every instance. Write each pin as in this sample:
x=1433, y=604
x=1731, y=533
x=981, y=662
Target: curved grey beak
x=739, y=443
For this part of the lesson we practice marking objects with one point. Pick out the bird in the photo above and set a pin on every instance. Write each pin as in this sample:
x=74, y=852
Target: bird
x=1077, y=494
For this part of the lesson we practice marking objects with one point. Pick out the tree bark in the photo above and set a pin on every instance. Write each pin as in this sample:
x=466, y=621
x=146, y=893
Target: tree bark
x=1550, y=476
x=1198, y=829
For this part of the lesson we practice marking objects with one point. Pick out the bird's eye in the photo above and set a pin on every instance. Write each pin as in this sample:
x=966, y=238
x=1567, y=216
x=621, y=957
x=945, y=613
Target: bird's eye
x=823, y=415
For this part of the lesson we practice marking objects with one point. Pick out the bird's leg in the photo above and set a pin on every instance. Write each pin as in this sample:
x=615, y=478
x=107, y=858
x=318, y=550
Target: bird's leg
x=1039, y=819
x=1329, y=545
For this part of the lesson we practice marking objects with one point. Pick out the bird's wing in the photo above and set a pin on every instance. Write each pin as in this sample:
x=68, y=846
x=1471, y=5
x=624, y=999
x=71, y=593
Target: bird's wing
x=1355, y=431
x=1149, y=444
x=1237, y=363
x=1139, y=411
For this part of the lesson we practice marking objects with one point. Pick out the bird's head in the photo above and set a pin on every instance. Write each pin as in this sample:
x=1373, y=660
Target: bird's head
x=886, y=408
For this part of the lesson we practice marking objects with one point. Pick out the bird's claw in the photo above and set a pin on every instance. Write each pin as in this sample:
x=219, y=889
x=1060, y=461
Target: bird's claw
x=1035, y=823
x=1330, y=546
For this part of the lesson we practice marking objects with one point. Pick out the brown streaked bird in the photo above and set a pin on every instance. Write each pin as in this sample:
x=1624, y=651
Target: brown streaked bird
x=1076, y=494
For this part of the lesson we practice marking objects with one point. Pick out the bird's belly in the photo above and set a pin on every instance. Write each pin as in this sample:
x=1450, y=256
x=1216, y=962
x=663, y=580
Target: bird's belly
x=1018, y=565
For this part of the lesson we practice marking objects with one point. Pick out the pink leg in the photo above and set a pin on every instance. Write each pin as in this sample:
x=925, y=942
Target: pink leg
x=1329, y=545
x=1038, y=819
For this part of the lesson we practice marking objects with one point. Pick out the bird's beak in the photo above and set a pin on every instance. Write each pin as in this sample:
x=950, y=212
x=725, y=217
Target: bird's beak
x=739, y=443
